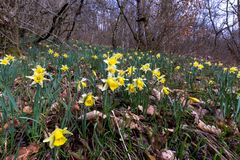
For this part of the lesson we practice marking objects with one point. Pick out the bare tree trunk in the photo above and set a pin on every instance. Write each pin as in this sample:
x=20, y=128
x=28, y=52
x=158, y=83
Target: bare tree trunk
x=55, y=23
x=126, y=19
x=141, y=19
x=238, y=17
x=78, y=13
x=114, y=42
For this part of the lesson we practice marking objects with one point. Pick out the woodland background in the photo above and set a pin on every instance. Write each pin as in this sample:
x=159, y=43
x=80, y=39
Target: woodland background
x=209, y=28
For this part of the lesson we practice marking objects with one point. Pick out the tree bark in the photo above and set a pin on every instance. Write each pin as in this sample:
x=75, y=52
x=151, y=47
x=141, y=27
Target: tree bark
x=78, y=13
x=114, y=42
x=141, y=19
x=55, y=23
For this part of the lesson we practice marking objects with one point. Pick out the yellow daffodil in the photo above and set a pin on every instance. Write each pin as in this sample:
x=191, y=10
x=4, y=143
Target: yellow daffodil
x=111, y=61
x=57, y=137
x=208, y=63
x=95, y=57
x=121, y=81
x=225, y=69
x=118, y=55
x=161, y=79
x=194, y=100
x=210, y=82
x=50, y=51
x=139, y=83
x=56, y=55
x=131, y=88
x=238, y=75
x=156, y=72
x=10, y=57
x=65, y=55
x=177, y=68
x=94, y=73
x=110, y=82
x=64, y=68
x=111, y=69
x=82, y=84
x=200, y=66
x=158, y=55
x=38, y=75
x=37, y=79
x=220, y=64
x=105, y=55
x=4, y=61
x=195, y=64
x=121, y=72
x=39, y=70
x=166, y=90
x=145, y=67
x=233, y=70
x=131, y=70
x=88, y=100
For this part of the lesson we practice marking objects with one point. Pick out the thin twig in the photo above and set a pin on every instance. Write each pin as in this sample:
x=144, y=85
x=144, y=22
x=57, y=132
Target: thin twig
x=125, y=147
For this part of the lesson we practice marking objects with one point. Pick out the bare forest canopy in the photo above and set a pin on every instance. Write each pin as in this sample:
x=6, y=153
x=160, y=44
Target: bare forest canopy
x=198, y=27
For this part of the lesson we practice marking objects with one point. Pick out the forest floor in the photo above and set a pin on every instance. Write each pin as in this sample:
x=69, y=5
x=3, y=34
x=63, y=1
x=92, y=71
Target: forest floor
x=96, y=103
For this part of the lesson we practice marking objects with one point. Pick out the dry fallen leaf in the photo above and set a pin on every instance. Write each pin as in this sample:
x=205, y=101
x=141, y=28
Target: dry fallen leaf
x=167, y=155
x=140, y=108
x=149, y=156
x=27, y=109
x=54, y=107
x=130, y=115
x=207, y=128
x=151, y=110
x=24, y=153
x=75, y=107
x=156, y=94
x=93, y=115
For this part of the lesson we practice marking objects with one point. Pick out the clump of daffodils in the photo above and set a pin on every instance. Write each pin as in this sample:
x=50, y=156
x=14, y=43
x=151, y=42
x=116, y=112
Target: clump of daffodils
x=208, y=63
x=233, y=70
x=10, y=57
x=198, y=65
x=57, y=137
x=38, y=75
x=157, y=75
x=6, y=60
x=112, y=81
x=145, y=67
